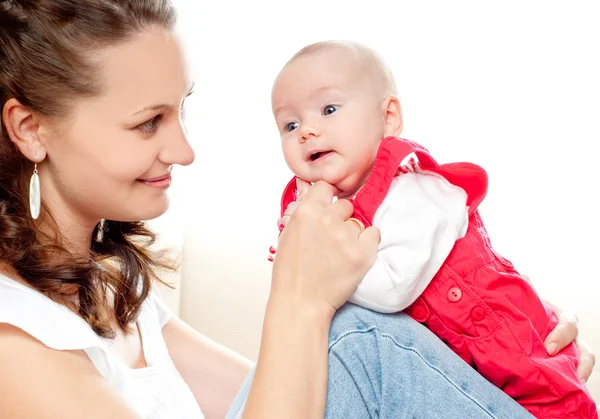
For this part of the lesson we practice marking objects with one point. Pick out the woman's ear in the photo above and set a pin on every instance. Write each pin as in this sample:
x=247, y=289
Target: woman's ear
x=22, y=128
x=392, y=116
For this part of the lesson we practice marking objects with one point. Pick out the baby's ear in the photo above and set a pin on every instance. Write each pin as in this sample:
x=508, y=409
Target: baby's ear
x=392, y=116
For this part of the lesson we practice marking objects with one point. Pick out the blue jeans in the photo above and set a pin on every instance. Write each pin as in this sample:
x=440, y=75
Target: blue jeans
x=390, y=366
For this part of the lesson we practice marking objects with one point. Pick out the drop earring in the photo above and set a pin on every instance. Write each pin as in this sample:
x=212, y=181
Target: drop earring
x=100, y=231
x=35, y=199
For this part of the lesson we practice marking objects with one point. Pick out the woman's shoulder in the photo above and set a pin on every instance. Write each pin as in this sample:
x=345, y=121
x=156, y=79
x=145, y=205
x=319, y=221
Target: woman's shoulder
x=60, y=328
x=51, y=323
x=159, y=309
x=37, y=381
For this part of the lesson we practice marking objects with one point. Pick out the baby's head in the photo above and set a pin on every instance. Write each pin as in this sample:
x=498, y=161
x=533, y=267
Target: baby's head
x=333, y=103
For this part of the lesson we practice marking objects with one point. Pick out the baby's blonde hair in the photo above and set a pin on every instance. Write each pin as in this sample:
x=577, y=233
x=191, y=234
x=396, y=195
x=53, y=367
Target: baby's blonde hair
x=371, y=63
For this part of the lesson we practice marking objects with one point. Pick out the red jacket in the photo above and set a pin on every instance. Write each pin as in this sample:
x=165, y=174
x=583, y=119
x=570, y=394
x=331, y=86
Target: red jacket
x=477, y=303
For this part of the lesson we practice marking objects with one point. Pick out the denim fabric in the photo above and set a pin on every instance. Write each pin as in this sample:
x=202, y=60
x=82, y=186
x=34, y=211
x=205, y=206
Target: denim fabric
x=390, y=366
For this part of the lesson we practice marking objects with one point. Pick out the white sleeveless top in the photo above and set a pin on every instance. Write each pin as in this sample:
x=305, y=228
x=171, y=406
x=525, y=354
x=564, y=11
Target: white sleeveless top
x=154, y=392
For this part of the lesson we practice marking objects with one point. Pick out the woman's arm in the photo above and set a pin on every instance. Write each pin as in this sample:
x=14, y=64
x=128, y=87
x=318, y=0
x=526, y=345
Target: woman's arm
x=291, y=376
x=43, y=383
x=320, y=261
x=213, y=372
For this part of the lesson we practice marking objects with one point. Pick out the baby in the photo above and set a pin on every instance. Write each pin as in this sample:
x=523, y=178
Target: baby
x=336, y=109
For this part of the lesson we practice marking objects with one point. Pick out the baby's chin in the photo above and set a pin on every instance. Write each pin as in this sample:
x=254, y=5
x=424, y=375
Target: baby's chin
x=347, y=187
x=347, y=184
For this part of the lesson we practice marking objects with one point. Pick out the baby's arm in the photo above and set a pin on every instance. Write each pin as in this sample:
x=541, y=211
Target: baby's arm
x=420, y=220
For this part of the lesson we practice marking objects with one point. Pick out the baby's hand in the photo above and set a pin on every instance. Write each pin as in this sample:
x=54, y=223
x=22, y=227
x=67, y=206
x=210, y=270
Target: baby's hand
x=302, y=187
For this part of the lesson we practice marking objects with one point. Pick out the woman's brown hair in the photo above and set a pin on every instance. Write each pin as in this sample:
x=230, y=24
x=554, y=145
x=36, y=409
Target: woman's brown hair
x=47, y=61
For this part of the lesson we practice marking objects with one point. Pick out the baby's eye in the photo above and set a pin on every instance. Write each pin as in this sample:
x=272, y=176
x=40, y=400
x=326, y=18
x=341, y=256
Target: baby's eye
x=290, y=126
x=329, y=109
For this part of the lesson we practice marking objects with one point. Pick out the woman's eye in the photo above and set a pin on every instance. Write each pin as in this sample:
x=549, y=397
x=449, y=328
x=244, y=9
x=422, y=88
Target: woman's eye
x=150, y=126
x=329, y=109
x=290, y=126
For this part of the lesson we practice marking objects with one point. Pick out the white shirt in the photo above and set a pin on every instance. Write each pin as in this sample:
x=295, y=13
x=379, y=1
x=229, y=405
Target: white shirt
x=156, y=391
x=420, y=219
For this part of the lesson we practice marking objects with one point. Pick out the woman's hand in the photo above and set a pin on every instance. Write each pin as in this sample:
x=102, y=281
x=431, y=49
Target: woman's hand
x=322, y=256
x=565, y=332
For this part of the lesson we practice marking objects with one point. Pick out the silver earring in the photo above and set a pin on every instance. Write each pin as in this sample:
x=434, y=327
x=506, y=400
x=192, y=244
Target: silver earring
x=35, y=199
x=100, y=232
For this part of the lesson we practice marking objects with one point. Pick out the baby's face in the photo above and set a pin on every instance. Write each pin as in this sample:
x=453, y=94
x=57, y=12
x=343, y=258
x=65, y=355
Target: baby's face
x=329, y=119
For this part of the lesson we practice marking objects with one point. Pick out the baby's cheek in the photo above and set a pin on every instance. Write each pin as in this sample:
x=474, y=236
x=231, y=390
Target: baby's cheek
x=294, y=161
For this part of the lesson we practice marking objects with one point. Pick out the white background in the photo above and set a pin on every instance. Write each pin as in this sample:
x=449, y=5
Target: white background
x=513, y=86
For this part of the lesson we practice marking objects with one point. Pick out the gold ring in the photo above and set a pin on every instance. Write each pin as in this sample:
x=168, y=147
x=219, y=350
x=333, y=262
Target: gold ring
x=358, y=223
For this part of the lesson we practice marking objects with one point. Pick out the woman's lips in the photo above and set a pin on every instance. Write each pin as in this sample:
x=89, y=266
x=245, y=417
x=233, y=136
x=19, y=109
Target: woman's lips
x=160, y=182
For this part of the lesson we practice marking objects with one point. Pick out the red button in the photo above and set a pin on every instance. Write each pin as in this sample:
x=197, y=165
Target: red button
x=478, y=314
x=454, y=294
x=419, y=310
x=420, y=313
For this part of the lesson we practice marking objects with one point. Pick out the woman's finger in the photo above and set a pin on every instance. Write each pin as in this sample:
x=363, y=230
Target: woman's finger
x=370, y=239
x=564, y=333
x=341, y=209
x=587, y=360
x=357, y=225
x=321, y=192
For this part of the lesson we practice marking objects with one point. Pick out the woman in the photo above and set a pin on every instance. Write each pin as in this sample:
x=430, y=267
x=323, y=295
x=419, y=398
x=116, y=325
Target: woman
x=91, y=95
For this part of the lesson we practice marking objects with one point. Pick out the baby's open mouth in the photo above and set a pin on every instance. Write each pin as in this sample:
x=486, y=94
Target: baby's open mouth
x=320, y=154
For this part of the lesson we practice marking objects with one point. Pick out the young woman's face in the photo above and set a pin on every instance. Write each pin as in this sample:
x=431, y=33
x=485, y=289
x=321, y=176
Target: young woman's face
x=101, y=162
